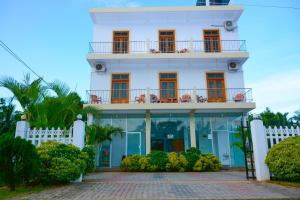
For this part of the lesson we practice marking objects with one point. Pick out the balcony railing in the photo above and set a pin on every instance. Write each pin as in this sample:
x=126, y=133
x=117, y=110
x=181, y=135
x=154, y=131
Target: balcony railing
x=151, y=96
x=124, y=47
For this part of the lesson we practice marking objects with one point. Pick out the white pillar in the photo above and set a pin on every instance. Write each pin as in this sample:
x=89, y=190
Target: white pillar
x=207, y=2
x=22, y=128
x=90, y=119
x=260, y=150
x=192, y=129
x=148, y=132
x=79, y=132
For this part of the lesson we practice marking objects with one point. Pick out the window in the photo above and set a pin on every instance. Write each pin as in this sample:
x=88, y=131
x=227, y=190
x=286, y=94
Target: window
x=216, y=87
x=212, y=41
x=167, y=41
x=120, y=88
x=168, y=87
x=120, y=41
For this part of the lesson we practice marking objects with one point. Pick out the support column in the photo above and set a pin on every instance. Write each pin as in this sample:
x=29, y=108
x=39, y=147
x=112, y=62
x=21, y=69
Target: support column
x=260, y=150
x=79, y=132
x=192, y=128
x=22, y=128
x=90, y=118
x=148, y=132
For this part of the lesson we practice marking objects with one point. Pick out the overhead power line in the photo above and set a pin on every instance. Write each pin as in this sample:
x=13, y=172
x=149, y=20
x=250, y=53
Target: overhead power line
x=13, y=54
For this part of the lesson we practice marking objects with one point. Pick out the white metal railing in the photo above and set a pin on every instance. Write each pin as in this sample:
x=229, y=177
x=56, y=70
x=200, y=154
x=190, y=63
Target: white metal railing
x=153, y=47
x=195, y=95
x=276, y=135
x=37, y=136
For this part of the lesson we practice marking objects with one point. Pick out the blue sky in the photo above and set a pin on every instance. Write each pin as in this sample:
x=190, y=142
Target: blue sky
x=52, y=36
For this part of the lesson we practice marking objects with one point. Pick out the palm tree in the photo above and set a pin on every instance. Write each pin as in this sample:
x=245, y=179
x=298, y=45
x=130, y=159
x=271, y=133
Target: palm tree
x=27, y=93
x=8, y=116
x=98, y=134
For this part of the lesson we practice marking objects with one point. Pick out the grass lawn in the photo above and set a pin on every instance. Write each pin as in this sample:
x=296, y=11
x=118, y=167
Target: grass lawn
x=286, y=183
x=5, y=193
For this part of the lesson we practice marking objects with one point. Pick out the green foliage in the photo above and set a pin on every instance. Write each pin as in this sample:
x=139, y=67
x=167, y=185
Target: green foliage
x=60, y=163
x=283, y=159
x=176, y=163
x=207, y=163
x=131, y=163
x=192, y=155
x=145, y=164
x=158, y=160
x=90, y=161
x=99, y=134
x=8, y=116
x=19, y=161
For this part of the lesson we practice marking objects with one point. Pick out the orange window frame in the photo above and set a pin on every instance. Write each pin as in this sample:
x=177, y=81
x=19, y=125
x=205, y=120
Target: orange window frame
x=119, y=92
x=168, y=81
x=168, y=48
x=211, y=38
x=213, y=93
x=120, y=39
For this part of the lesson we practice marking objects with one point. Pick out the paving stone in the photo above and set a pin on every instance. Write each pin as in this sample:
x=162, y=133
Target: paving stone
x=167, y=186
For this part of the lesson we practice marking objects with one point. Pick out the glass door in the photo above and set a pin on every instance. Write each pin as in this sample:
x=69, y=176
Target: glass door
x=215, y=87
x=133, y=143
x=212, y=41
x=120, y=88
x=168, y=87
x=120, y=41
x=221, y=146
x=167, y=41
x=105, y=154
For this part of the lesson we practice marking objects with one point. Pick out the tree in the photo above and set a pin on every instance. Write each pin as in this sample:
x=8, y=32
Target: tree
x=98, y=134
x=18, y=160
x=8, y=116
x=295, y=120
x=270, y=118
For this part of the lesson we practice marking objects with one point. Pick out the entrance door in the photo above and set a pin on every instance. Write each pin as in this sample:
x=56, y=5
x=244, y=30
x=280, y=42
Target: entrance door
x=133, y=143
x=215, y=87
x=120, y=88
x=221, y=146
x=105, y=155
x=167, y=41
x=120, y=42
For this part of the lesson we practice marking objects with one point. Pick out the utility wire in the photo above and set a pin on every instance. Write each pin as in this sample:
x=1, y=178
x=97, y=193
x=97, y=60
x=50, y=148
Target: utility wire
x=13, y=54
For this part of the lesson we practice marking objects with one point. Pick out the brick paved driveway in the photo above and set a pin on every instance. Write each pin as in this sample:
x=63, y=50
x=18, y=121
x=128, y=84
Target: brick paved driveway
x=217, y=185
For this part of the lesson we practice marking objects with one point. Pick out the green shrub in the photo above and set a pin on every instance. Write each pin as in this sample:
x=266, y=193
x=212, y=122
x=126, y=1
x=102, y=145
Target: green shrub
x=131, y=163
x=145, y=164
x=90, y=161
x=19, y=161
x=157, y=160
x=283, y=159
x=192, y=155
x=176, y=163
x=61, y=163
x=207, y=163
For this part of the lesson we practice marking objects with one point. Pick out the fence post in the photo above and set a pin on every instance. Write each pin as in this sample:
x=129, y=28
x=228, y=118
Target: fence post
x=79, y=132
x=260, y=147
x=22, y=128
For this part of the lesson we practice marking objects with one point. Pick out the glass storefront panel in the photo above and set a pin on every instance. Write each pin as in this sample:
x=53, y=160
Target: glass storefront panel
x=219, y=134
x=170, y=132
x=134, y=127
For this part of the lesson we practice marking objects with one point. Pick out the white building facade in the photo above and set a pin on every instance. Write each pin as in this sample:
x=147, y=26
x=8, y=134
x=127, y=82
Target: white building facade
x=171, y=77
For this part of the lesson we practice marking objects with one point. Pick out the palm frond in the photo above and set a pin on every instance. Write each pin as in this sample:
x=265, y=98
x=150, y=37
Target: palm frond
x=60, y=88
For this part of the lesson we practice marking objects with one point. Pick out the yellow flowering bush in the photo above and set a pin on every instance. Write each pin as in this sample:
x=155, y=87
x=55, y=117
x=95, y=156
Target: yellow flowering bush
x=176, y=163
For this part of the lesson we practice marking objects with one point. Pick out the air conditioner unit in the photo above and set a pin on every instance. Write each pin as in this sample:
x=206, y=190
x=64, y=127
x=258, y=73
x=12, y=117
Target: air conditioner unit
x=233, y=66
x=229, y=25
x=100, y=68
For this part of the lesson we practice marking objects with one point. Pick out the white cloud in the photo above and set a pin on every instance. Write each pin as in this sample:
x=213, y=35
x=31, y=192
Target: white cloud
x=280, y=92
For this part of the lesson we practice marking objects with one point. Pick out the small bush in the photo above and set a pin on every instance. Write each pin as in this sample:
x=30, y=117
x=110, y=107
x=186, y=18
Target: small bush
x=283, y=159
x=60, y=163
x=158, y=160
x=192, y=155
x=131, y=163
x=145, y=164
x=207, y=163
x=176, y=163
x=90, y=161
x=19, y=161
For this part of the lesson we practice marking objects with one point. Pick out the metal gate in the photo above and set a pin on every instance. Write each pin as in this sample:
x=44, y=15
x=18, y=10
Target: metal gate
x=248, y=149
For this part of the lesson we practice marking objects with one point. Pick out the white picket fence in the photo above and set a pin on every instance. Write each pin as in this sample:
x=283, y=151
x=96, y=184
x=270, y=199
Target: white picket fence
x=37, y=136
x=276, y=135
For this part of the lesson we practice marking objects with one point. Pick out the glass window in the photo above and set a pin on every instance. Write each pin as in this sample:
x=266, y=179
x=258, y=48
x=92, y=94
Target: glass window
x=167, y=41
x=170, y=132
x=212, y=41
x=120, y=41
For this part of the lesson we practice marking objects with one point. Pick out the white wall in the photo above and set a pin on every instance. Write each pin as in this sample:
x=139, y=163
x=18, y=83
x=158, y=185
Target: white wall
x=143, y=76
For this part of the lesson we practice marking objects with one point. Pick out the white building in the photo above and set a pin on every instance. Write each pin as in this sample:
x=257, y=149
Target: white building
x=171, y=77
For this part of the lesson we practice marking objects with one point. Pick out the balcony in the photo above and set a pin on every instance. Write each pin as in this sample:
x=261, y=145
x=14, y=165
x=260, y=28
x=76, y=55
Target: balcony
x=158, y=47
x=229, y=98
x=156, y=51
